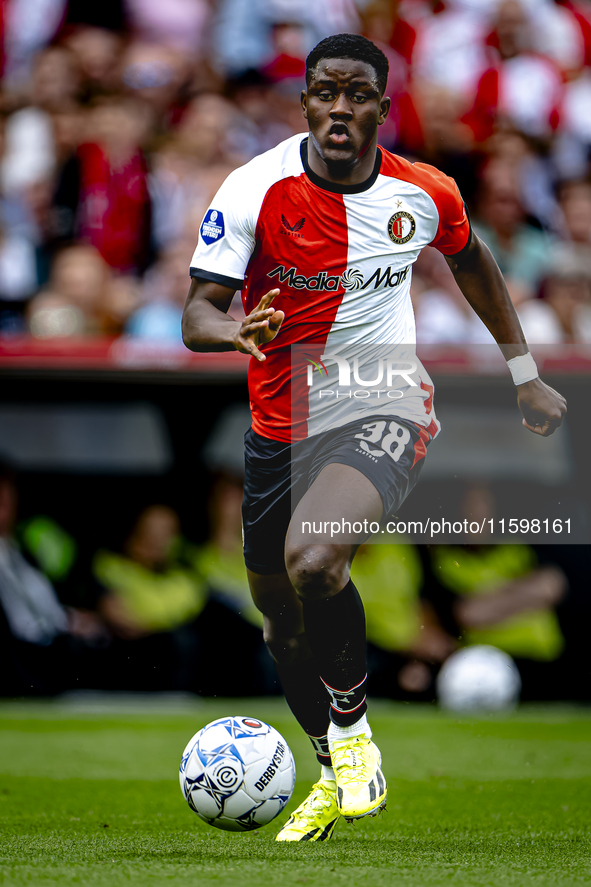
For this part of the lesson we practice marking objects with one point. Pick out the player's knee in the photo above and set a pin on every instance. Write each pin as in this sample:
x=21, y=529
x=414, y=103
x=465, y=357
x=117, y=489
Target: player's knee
x=316, y=571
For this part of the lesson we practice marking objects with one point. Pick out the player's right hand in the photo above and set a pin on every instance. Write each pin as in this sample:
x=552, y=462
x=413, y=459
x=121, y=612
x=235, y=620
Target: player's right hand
x=260, y=327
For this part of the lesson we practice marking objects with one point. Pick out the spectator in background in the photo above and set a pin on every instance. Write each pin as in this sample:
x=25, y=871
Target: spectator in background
x=98, y=56
x=501, y=595
x=33, y=145
x=575, y=202
x=209, y=141
x=154, y=75
x=44, y=647
x=81, y=298
x=243, y=35
x=18, y=279
x=391, y=32
x=150, y=596
x=164, y=295
x=121, y=299
x=560, y=31
x=248, y=669
x=180, y=25
x=443, y=317
x=533, y=176
x=288, y=66
x=175, y=190
x=573, y=147
x=520, y=250
x=172, y=607
x=521, y=89
x=113, y=202
x=123, y=121
x=261, y=126
x=562, y=315
x=403, y=647
x=30, y=151
x=214, y=133
x=423, y=602
x=506, y=595
x=148, y=588
x=449, y=50
x=32, y=621
x=101, y=194
x=446, y=142
x=27, y=28
x=219, y=561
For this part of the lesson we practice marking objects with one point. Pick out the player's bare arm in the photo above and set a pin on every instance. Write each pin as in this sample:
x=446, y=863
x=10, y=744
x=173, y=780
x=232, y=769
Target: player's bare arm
x=207, y=325
x=480, y=280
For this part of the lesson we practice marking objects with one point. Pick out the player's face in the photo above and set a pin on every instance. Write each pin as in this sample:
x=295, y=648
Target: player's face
x=344, y=108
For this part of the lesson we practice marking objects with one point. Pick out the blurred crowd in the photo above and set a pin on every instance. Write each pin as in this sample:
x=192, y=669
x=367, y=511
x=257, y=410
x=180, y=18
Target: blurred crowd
x=121, y=119
x=150, y=607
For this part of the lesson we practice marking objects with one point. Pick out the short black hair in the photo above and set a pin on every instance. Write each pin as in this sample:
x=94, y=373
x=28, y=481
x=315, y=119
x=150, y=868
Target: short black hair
x=350, y=46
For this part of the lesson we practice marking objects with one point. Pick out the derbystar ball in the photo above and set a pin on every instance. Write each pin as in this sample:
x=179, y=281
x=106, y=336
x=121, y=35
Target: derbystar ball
x=237, y=773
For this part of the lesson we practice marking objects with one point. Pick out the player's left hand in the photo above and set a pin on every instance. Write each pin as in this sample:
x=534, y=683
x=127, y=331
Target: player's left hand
x=542, y=407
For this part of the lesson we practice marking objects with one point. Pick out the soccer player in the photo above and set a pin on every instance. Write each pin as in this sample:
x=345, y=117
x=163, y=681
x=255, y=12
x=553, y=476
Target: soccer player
x=320, y=234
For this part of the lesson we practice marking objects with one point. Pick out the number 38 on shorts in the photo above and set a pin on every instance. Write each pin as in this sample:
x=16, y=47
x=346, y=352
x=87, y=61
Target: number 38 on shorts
x=391, y=437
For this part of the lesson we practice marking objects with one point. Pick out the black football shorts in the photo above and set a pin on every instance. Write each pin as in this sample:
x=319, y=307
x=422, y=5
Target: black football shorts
x=277, y=475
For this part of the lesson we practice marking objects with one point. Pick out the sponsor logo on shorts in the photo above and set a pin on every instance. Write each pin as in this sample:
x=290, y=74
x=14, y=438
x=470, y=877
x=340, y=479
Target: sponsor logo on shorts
x=352, y=279
x=212, y=226
x=401, y=227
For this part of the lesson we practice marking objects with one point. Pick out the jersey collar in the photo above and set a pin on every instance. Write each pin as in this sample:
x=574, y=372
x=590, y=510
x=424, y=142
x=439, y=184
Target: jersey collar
x=339, y=189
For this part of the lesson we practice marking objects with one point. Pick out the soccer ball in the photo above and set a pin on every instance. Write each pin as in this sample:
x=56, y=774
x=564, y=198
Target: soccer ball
x=237, y=774
x=479, y=678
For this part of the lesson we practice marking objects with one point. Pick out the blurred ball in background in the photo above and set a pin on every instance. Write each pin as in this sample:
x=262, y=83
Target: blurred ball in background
x=480, y=678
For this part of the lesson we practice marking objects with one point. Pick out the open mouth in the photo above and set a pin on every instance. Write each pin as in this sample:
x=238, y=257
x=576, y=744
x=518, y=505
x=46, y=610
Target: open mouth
x=338, y=133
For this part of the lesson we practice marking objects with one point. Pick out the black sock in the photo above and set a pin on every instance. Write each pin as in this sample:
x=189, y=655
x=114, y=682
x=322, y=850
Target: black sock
x=335, y=631
x=307, y=698
x=321, y=748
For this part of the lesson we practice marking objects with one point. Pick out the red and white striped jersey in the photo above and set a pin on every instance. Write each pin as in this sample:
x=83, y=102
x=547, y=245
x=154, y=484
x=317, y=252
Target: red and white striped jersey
x=342, y=258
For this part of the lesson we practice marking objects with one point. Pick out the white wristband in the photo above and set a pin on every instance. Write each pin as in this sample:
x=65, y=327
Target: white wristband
x=523, y=368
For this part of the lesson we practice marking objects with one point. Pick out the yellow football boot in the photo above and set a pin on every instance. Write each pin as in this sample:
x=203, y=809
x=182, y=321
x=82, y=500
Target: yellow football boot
x=316, y=817
x=361, y=787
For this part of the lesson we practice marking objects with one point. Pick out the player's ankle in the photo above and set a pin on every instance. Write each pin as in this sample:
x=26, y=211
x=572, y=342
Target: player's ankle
x=359, y=728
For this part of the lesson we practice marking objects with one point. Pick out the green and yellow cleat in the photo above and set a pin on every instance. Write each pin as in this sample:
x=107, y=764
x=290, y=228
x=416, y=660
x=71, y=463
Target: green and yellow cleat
x=316, y=817
x=361, y=787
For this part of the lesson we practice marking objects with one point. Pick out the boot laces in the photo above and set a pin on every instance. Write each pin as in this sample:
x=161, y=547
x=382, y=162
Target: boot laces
x=316, y=803
x=353, y=765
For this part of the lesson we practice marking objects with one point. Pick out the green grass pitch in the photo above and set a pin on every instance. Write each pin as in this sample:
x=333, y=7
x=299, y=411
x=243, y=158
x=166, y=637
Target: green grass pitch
x=91, y=797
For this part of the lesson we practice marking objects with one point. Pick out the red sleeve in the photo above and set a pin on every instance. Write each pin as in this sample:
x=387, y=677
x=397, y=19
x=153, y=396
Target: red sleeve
x=453, y=230
x=453, y=227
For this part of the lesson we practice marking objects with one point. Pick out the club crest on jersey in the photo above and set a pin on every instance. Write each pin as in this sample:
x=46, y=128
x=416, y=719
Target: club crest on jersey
x=212, y=226
x=401, y=227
